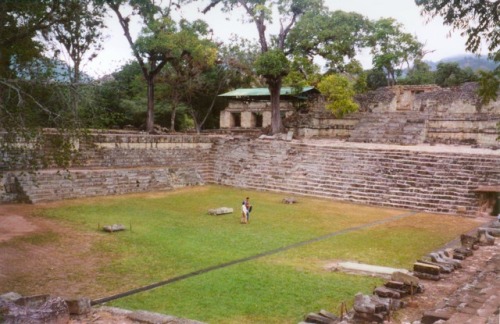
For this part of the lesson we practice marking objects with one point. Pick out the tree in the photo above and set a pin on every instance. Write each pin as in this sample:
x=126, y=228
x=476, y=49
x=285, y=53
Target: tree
x=478, y=20
x=450, y=74
x=392, y=48
x=260, y=12
x=30, y=99
x=339, y=93
x=375, y=79
x=151, y=48
x=190, y=56
x=21, y=22
x=79, y=32
x=335, y=36
x=233, y=69
x=420, y=73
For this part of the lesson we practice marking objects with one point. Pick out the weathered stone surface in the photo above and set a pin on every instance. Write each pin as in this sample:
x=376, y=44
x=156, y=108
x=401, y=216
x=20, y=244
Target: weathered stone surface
x=426, y=276
x=426, y=268
x=220, y=211
x=78, y=306
x=405, y=278
x=289, y=200
x=485, y=237
x=114, y=228
x=443, y=267
x=10, y=296
x=387, y=292
x=35, y=309
x=328, y=315
x=466, y=252
x=468, y=241
x=318, y=319
x=431, y=317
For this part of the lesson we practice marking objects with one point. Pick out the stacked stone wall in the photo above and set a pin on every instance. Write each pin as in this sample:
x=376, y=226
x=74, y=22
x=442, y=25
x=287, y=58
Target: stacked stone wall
x=394, y=176
x=434, y=182
x=118, y=164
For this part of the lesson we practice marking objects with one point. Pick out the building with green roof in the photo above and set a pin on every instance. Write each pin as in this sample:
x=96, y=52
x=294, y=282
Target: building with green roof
x=251, y=107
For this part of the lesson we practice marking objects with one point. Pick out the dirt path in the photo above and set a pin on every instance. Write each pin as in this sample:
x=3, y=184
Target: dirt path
x=40, y=256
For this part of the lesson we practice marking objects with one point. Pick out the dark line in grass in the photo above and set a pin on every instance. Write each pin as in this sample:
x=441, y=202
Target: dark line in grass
x=252, y=257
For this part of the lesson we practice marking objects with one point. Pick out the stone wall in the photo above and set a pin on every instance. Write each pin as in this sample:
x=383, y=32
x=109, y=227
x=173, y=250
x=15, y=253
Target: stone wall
x=118, y=164
x=388, y=115
x=431, y=178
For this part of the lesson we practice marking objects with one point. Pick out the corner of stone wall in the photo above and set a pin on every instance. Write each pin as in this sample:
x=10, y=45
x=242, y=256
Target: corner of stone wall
x=11, y=190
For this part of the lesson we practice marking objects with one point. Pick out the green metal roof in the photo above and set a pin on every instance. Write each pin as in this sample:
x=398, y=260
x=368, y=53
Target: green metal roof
x=255, y=92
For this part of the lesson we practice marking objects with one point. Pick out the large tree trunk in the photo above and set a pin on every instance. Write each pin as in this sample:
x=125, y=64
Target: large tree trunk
x=151, y=105
x=274, y=86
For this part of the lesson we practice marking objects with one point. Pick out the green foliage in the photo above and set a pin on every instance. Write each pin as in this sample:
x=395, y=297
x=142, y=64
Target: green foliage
x=450, y=74
x=489, y=83
x=375, y=79
x=335, y=36
x=391, y=48
x=339, y=93
x=477, y=19
x=420, y=73
x=272, y=64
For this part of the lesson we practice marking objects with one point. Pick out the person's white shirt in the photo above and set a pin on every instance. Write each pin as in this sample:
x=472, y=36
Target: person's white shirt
x=244, y=208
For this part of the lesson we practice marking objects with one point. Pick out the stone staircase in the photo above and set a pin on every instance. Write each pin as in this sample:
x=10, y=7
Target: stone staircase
x=394, y=178
x=404, y=128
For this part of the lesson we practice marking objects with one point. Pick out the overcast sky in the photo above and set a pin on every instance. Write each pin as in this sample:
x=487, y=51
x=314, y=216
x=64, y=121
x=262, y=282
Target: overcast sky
x=433, y=33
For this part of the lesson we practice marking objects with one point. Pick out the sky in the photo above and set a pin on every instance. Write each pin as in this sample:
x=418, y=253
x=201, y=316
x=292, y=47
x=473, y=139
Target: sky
x=437, y=37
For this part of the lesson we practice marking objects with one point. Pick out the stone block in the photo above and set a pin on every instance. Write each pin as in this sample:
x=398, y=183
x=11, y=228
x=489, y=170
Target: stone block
x=387, y=293
x=114, y=228
x=318, y=319
x=426, y=268
x=405, y=278
x=220, y=211
x=426, y=276
x=78, y=306
x=431, y=317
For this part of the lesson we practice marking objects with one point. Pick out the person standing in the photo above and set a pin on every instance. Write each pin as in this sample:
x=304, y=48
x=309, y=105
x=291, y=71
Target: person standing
x=248, y=207
x=244, y=213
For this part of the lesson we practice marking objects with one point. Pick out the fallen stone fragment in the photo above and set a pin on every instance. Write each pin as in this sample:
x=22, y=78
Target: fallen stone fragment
x=220, y=211
x=484, y=236
x=405, y=278
x=78, y=306
x=443, y=267
x=114, y=228
x=468, y=241
x=387, y=292
x=464, y=251
x=329, y=315
x=318, y=319
x=289, y=200
x=426, y=276
x=426, y=268
x=432, y=317
x=447, y=259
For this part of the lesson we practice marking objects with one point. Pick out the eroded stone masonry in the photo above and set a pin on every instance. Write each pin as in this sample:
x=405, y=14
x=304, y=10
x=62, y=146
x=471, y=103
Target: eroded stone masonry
x=439, y=179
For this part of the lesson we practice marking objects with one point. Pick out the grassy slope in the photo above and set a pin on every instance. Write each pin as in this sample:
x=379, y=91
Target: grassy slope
x=172, y=235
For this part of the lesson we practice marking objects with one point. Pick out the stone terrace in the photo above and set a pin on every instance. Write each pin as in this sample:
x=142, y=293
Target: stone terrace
x=423, y=177
x=430, y=178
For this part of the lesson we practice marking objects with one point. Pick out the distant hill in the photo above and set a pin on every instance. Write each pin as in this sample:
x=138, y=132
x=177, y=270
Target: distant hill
x=464, y=61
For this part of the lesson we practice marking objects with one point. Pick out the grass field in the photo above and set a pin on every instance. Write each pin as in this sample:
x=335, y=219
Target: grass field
x=170, y=234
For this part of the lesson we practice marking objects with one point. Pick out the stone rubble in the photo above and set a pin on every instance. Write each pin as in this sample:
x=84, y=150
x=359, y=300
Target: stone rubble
x=476, y=302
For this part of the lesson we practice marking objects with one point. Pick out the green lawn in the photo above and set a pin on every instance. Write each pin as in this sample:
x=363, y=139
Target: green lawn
x=171, y=235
